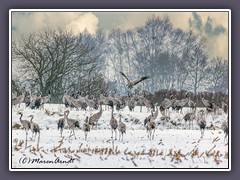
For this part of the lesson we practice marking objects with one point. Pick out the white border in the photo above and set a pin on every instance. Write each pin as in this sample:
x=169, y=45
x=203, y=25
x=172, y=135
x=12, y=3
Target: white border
x=230, y=87
x=117, y=10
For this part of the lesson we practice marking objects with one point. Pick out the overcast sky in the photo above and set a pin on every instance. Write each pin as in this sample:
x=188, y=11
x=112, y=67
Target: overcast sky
x=212, y=25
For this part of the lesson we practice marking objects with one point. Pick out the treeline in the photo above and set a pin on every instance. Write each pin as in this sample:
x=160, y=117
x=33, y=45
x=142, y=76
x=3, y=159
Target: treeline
x=58, y=60
x=216, y=98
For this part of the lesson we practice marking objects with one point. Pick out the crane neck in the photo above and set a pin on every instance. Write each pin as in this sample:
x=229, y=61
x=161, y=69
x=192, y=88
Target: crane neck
x=112, y=111
x=31, y=119
x=21, y=117
x=65, y=115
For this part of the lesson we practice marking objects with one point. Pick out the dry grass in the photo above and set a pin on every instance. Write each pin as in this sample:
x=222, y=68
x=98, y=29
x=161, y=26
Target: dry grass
x=176, y=156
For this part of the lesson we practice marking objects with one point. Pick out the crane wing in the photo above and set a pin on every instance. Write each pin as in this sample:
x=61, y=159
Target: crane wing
x=206, y=102
x=139, y=80
x=125, y=76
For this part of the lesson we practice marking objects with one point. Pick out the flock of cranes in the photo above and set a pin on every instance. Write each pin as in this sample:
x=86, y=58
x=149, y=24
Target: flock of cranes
x=30, y=125
x=33, y=100
x=117, y=102
x=92, y=120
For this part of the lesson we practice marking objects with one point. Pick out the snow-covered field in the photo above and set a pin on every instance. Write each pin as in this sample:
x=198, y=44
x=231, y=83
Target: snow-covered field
x=172, y=147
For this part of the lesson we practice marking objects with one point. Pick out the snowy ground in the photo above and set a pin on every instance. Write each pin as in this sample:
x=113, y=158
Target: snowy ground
x=172, y=147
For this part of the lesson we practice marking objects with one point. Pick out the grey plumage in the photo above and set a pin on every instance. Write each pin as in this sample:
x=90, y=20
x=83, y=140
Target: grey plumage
x=131, y=102
x=114, y=125
x=201, y=121
x=225, y=107
x=34, y=127
x=28, y=100
x=19, y=99
x=167, y=102
x=179, y=104
x=121, y=102
x=115, y=102
x=72, y=123
x=225, y=129
x=147, y=118
x=46, y=99
x=91, y=103
x=152, y=116
x=130, y=84
x=121, y=128
x=189, y=117
x=93, y=120
x=191, y=104
x=147, y=102
x=155, y=114
x=66, y=99
x=205, y=102
x=61, y=124
x=33, y=101
x=14, y=94
x=150, y=128
x=78, y=103
x=202, y=124
x=165, y=105
x=86, y=127
x=209, y=105
x=25, y=123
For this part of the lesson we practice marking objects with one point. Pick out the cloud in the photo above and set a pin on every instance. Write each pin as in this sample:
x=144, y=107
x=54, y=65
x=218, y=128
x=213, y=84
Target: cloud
x=196, y=22
x=214, y=27
x=86, y=21
x=218, y=30
x=209, y=28
x=24, y=23
x=131, y=20
x=218, y=46
x=211, y=25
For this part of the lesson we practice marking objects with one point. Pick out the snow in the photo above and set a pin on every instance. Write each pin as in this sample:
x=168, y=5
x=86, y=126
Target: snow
x=172, y=147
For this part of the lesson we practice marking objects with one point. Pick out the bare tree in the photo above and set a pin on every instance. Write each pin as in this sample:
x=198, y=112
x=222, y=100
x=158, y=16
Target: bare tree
x=116, y=55
x=197, y=65
x=51, y=56
x=176, y=46
x=150, y=52
x=218, y=75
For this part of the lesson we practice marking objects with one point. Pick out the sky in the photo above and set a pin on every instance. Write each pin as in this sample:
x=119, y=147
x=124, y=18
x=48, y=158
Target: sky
x=211, y=25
